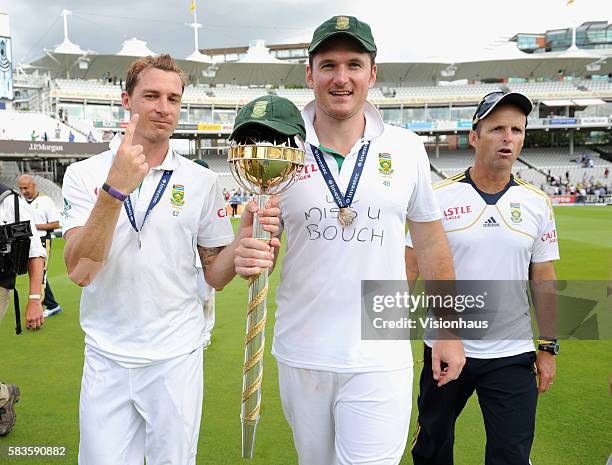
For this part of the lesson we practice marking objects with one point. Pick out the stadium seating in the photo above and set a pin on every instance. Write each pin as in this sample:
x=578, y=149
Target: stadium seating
x=9, y=175
x=86, y=89
x=557, y=160
x=19, y=126
x=234, y=95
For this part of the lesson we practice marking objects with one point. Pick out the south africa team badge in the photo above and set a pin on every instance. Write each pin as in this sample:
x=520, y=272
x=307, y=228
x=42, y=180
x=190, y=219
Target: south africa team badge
x=385, y=165
x=515, y=213
x=178, y=195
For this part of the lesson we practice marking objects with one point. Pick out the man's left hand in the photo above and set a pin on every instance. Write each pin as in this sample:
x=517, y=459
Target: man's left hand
x=34, y=315
x=269, y=218
x=547, y=369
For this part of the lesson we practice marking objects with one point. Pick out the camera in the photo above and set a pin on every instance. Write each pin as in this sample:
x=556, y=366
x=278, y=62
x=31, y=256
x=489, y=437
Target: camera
x=14, y=251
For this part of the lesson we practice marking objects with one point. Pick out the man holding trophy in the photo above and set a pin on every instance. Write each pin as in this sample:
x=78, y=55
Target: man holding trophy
x=348, y=400
x=139, y=221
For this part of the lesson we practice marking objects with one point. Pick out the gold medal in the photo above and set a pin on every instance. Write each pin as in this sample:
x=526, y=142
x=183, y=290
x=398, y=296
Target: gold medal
x=346, y=216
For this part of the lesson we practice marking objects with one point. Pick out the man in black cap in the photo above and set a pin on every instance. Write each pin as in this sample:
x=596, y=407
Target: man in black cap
x=348, y=400
x=500, y=229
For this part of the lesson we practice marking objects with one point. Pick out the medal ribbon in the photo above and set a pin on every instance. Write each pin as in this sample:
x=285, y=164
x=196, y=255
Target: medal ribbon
x=343, y=201
x=161, y=187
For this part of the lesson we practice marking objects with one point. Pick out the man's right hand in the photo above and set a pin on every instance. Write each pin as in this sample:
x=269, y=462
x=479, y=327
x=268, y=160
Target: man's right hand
x=130, y=165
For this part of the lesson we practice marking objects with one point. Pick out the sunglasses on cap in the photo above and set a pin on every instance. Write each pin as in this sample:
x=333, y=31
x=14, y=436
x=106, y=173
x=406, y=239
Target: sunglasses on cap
x=491, y=100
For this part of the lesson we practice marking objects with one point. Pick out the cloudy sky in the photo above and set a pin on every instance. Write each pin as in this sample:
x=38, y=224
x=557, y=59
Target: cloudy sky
x=403, y=29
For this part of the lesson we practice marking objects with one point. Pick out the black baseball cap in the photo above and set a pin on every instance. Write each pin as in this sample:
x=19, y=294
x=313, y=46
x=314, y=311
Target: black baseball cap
x=490, y=101
x=271, y=111
x=343, y=25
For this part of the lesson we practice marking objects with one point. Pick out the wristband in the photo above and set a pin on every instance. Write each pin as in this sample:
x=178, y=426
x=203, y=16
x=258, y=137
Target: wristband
x=113, y=192
x=34, y=296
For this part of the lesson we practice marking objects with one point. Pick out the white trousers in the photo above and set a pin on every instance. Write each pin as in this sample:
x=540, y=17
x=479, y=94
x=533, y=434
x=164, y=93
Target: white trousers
x=127, y=414
x=347, y=418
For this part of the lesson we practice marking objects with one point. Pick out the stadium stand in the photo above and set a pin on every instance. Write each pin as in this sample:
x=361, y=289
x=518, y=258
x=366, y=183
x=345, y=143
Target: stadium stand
x=557, y=160
x=9, y=175
x=19, y=126
x=97, y=90
x=438, y=110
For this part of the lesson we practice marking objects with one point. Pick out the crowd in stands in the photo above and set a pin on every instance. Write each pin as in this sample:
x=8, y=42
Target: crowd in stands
x=589, y=185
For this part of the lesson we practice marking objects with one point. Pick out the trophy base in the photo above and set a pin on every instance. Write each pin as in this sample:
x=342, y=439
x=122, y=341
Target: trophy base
x=248, y=438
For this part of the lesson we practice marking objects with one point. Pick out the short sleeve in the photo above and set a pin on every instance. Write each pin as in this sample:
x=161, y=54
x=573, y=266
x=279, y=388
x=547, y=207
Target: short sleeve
x=423, y=206
x=546, y=246
x=78, y=203
x=215, y=228
x=51, y=211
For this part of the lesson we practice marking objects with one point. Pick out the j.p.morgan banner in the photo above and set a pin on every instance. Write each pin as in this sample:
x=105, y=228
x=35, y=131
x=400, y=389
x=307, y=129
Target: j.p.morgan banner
x=50, y=149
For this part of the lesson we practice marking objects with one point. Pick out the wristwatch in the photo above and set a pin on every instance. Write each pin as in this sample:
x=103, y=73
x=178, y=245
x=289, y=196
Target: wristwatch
x=114, y=192
x=550, y=345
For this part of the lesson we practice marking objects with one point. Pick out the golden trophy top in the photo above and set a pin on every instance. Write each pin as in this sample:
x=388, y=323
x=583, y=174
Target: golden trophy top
x=265, y=169
x=267, y=145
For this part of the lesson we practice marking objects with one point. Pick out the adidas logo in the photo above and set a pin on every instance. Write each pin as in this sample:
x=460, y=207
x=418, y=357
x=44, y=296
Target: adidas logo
x=490, y=223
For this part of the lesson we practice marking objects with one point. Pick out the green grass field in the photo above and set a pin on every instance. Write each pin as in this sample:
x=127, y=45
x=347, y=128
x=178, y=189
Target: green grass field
x=574, y=421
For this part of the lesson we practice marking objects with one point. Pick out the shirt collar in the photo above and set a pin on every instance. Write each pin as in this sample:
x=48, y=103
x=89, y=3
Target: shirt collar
x=170, y=160
x=374, y=126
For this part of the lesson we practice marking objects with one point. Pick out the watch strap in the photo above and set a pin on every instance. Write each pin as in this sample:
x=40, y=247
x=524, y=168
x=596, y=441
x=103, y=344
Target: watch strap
x=549, y=346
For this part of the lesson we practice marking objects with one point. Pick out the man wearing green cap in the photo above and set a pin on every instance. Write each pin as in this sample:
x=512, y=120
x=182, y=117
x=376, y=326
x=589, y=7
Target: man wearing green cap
x=348, y=400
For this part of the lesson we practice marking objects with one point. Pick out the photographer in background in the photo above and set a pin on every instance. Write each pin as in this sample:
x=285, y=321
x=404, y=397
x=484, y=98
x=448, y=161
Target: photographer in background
x=9, y=393
x=46, y=219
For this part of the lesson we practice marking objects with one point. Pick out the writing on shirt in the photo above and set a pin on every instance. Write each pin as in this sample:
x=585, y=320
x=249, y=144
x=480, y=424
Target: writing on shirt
x=550, y=237
x=454, y=213
x=306, y=171
x=366, y=230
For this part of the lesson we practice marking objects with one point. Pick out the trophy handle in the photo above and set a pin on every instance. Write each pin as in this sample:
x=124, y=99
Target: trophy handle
x=258, y=231
x=254, y=344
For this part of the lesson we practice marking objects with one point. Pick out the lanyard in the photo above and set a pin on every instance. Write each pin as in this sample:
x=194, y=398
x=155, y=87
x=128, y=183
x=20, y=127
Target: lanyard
x=127, y=203
x=343, y=201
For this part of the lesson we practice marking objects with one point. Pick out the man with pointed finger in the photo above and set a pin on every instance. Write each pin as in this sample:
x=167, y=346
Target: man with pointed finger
x=139, y=221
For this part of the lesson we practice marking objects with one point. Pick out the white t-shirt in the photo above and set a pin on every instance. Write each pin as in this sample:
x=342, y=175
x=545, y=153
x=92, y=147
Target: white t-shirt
x=43, y=211
x=496, y=237
x=318, y=320
x=143, y=306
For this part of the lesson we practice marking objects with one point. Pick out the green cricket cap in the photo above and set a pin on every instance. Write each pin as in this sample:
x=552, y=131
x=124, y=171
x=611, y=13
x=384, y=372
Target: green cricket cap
x=271, y=111
x=343, y=25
